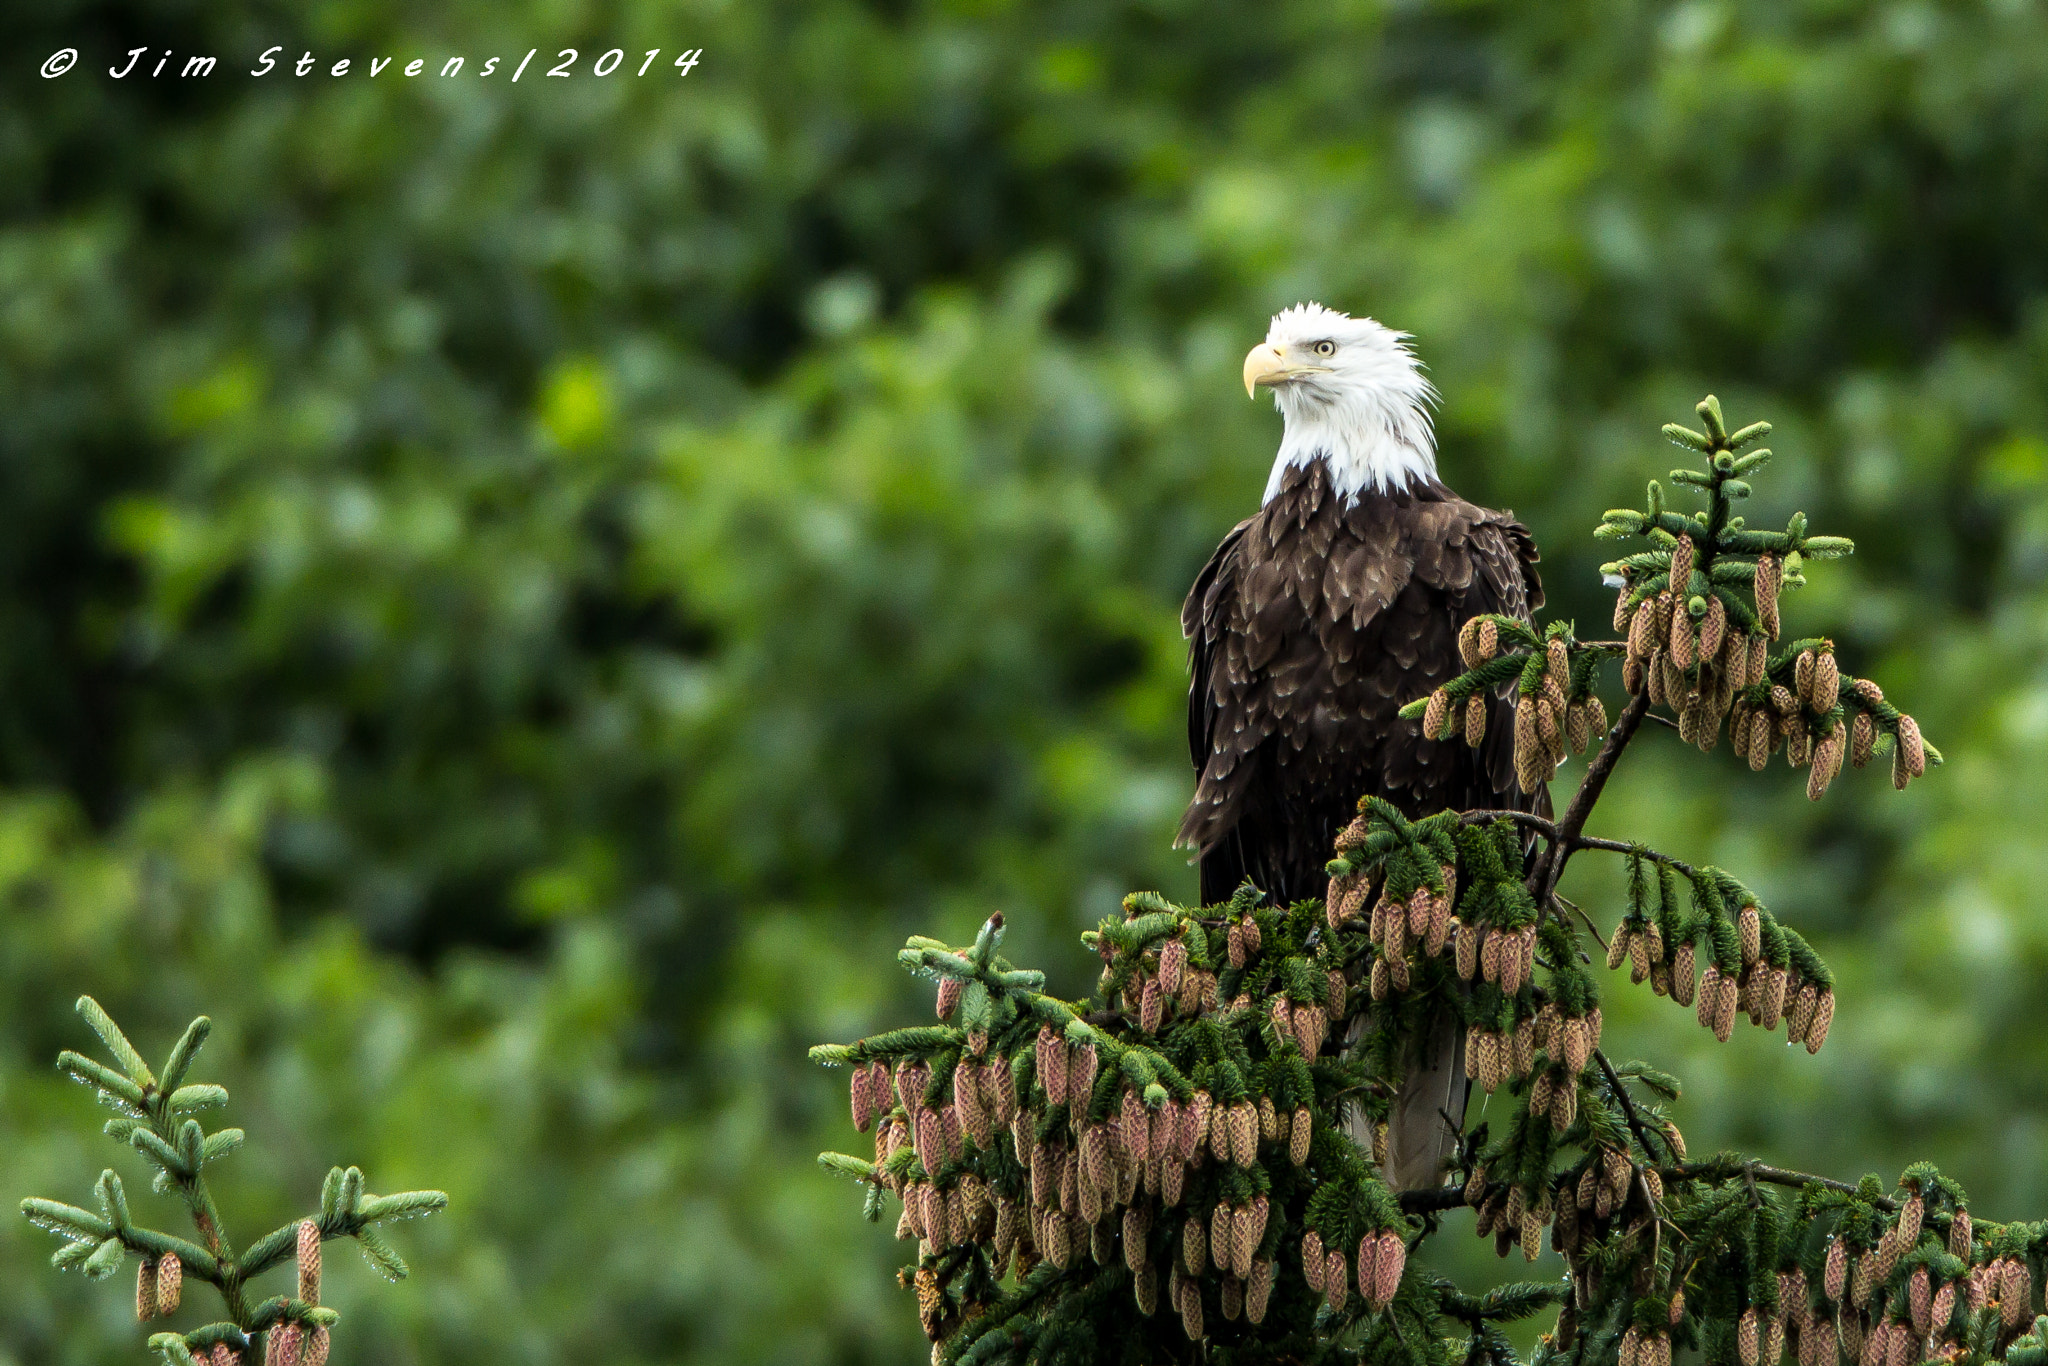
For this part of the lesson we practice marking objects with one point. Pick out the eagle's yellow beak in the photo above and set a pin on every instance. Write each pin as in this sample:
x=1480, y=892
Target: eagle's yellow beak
x=1267, y=364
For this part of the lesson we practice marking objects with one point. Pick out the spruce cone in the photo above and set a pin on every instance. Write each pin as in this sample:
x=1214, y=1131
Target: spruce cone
x=1911, y=747
x=1639, y=958
x=1434, y=713
x=1531, y=757
x=1052, y=1066
x=863, y=1100
x=1366, y=1268
x=1336, y=1280
x=1823, y=1016
x=145, y=1290
x=1257, y=1288
x=1683, y=983
x=1145, y=1290
x=1770, y=575
x=949, y=996
x=1393, y=1260
x=1540, y=1092
x=309, y=1261
x=2017, y=1295
x=1564, y=1106
x=1959, y=1235
x=1724, y=1009
x=1578, y=727
x=1475, y=719
x=1642, y=631
x=1173, y=960
x=313, y=1351
x=1681, y=567
x=1802, y=678
x=1653, y=679
x=1489, y=1060
x=1685, y=648
x=1920, y=1300
x=1081, y=1067
x=1194, y=1244
x=1771, y=997
x=1312, y=1266
x=1299, y=1132
x=1749, y=925
x=1713, y=630
x=951, y=1134
x=1908, y=1226
x=1827, y=682
x=1465, y=948
x=1762, y=735
x=1233, y=1298
x=1748, y=1346
x=1190, y=1307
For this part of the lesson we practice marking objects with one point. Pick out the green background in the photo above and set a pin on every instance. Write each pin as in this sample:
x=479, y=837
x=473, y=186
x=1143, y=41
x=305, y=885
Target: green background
x=515, y=599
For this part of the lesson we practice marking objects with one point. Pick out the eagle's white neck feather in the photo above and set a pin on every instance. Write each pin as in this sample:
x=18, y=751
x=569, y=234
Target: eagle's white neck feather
x=1367, y=417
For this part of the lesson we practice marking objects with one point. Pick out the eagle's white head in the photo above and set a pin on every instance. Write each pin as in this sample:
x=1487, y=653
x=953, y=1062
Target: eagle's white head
x=1352, y=394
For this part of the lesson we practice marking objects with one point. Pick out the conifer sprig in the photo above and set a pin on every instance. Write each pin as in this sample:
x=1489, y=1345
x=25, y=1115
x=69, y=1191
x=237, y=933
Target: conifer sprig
x=157, y=1119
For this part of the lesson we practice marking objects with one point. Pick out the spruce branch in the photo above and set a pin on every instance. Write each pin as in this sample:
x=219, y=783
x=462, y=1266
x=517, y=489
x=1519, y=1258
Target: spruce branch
x=156, y=1120
x=1205, y=1138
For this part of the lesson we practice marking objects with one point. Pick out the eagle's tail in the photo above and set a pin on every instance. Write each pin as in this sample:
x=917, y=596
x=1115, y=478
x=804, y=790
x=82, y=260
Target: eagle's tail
x=1422, y=1127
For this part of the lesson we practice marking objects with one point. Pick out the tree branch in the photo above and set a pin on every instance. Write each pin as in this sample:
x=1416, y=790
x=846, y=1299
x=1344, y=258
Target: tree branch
x=1723, y=1170
x=1628, y=1106
x=1435, y=1199
x=1543, y=881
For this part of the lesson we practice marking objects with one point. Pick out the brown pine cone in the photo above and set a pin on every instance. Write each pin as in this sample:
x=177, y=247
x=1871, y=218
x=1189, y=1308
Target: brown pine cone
x=1713, y=630
x=1680, y=570
x=1770, y=575
x=1475, y=719
x=1761, y=737
x=1683, y=983
x=1258, y=1288
x=1145, y=1290
x=1312, y=1265
x=1749, y=926
x=1827, y=682
x=1685, y=646
x=1823, y=1016
x=1468, y=643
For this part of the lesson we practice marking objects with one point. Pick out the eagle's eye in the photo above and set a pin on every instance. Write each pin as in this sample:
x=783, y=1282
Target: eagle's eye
x=1326, y=349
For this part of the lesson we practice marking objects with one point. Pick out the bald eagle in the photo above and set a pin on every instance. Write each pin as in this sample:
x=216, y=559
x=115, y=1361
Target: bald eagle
x=1311, y=625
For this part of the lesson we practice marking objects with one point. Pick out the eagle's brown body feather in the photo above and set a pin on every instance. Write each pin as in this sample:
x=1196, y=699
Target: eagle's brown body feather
x=1309, y=628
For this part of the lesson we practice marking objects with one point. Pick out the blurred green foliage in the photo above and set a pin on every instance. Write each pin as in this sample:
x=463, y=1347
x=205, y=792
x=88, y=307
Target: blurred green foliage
x=516, y=598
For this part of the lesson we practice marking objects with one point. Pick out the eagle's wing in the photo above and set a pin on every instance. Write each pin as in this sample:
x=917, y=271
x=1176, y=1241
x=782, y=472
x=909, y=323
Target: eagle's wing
x=1484, y=567
x=1226, y=724
x=1502, y=581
